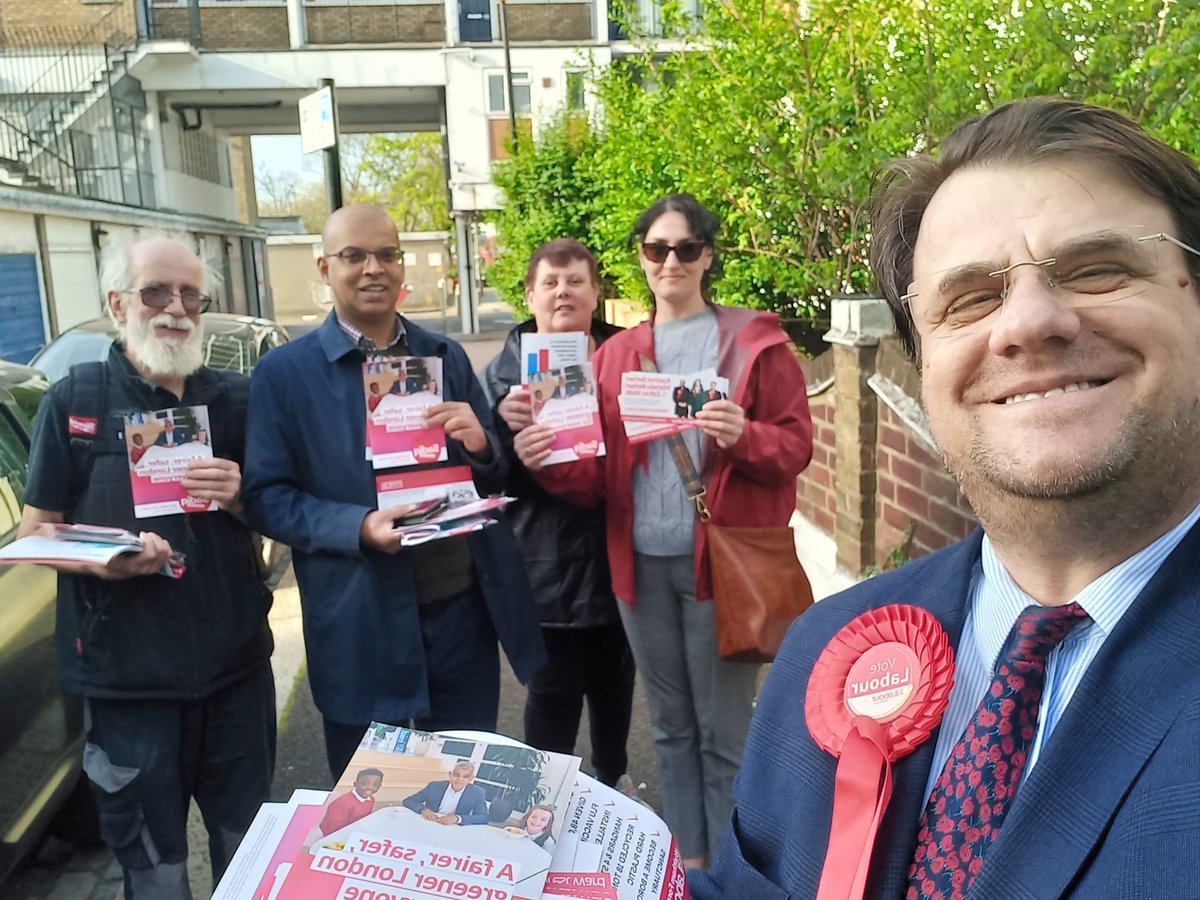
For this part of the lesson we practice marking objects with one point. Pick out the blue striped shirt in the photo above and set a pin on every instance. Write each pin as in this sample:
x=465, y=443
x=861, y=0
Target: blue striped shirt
x=994, y=604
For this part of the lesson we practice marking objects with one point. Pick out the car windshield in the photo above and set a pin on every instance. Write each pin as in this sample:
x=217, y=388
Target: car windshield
x=71, y=348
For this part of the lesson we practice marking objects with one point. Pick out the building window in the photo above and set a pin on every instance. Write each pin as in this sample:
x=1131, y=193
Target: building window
x=497, y=96
x=576, y=83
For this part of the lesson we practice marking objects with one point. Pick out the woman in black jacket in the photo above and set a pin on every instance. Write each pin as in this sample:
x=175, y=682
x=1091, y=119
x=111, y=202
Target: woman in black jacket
x=563, y=544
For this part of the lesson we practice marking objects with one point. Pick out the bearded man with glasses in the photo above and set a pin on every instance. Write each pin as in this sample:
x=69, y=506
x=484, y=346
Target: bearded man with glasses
x=1043, y=275
x=175, y=674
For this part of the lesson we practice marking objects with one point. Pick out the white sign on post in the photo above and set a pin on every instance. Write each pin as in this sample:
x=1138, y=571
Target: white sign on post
x=317, y=128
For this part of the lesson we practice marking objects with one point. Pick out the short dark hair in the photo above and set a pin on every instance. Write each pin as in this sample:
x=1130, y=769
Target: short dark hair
x=363, y=773
x=1023, y=131
x=702, y=221
x=560, y=252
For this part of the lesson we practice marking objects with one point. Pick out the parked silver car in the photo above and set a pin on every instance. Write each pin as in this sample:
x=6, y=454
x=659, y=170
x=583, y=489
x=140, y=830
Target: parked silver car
x=230, y=342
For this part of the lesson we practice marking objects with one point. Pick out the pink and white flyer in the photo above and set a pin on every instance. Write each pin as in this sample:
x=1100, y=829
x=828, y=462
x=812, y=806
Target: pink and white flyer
x=565, y=399
x=160, y=445
x=399, y=391
x=613, y=848
x=656, y=404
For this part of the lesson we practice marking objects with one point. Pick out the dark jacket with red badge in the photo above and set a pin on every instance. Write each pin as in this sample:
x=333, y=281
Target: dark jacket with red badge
x=148, y=636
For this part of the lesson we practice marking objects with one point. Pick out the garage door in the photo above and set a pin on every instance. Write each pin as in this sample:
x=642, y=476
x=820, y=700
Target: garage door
x=22, y=330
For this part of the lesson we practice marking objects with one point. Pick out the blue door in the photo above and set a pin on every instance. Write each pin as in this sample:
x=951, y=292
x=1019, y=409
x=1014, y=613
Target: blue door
x=21, y=329
x=474, y=20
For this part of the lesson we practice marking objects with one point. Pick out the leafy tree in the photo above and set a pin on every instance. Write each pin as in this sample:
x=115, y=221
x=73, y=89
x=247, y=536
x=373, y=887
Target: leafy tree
x=548, y=195
x=404, y=173
x=776, y=115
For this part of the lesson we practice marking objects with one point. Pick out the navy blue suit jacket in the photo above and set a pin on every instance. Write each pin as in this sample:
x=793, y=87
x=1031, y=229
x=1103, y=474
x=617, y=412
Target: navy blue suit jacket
x=472, y=805
x=1111, y=810
x=307, y=482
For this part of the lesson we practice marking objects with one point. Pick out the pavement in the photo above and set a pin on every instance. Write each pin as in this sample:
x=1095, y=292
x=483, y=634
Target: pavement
x=61, y=871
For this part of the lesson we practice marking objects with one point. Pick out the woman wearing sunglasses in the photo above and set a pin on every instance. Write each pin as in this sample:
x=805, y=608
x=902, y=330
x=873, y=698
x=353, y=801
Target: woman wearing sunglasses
x=748, y=449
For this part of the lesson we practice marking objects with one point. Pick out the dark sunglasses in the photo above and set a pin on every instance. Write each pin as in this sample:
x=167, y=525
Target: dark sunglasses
x=356, y=256
x=685, y=251
x=159, y=296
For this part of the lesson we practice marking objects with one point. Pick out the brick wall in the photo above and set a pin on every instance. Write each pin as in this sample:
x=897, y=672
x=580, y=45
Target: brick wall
x=816, y=485
x=227, y=28
x=874, y=474
x=375, y=24
x=914, y=489
x=550, y=21
x=35, y=22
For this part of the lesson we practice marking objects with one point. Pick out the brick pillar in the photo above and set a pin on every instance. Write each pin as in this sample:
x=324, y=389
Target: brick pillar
x=858, y=324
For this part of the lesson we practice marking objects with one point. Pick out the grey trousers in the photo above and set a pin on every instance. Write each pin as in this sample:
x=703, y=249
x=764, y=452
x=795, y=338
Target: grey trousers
x=700, y=706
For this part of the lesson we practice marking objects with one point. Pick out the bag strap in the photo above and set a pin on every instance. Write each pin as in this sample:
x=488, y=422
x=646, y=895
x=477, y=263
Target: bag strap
x=87, y=398
x=693, y=486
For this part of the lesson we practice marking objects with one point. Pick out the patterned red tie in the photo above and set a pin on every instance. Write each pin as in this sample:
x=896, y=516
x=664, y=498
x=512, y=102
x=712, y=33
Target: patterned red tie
x=971, y=797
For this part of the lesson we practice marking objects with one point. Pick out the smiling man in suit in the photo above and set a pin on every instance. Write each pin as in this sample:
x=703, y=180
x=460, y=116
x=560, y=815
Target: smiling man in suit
x=1043, y=273
x=453, y=802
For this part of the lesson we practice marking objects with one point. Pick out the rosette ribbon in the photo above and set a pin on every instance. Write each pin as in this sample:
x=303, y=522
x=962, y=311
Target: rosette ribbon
x=876, y=693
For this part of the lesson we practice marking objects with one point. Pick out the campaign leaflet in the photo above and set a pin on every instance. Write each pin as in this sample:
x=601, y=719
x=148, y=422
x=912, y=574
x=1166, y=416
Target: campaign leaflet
x=399, y=390
x=454, y=483
x=264, y=853
x=373, y=839
x=655, y=404
x=160, y=444
x=543, y=352
x=98, y=545
x=565, y=399
x=614, y=848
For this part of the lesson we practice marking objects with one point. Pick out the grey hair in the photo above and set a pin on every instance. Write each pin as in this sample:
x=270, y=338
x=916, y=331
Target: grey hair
x=116, y=265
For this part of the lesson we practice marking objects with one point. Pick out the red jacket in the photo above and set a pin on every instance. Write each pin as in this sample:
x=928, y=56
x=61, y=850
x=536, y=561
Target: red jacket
x=753, y=483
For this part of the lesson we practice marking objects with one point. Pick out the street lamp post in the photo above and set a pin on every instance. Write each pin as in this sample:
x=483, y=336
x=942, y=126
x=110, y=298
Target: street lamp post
x=508, y=75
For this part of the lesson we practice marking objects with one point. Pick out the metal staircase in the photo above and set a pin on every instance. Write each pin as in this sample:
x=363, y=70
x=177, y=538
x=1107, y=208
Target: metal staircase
x=58, y=119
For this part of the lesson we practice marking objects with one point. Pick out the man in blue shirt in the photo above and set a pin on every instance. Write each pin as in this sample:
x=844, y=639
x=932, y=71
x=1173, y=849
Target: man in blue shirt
x=392, y=635
x=1043, y=273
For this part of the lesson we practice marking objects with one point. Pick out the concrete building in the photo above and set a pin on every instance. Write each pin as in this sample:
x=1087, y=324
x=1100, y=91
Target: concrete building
x=149, y=103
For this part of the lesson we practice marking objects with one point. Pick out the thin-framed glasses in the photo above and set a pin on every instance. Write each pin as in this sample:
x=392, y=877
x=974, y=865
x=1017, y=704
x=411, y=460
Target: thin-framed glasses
x=159, y=296
x=685, y=251
x=356, y=256
x=1091, y=269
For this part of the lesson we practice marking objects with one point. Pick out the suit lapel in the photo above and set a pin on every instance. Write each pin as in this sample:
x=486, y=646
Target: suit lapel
x=1135, y=688
x=944, y=592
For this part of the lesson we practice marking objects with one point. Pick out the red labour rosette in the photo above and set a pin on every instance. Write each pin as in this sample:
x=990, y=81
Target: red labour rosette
x=876, y=693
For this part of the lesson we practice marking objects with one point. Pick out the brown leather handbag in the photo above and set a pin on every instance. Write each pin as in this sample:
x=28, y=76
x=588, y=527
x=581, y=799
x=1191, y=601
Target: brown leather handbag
x=759, y=588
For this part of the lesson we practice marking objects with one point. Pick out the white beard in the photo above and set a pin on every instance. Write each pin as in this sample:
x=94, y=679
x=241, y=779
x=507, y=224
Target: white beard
x=164, y=357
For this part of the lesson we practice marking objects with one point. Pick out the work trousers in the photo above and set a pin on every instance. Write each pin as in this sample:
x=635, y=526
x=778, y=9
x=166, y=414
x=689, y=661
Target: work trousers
x=700, y=705
x=462, y=666
x=592, y=663
x=147, y=758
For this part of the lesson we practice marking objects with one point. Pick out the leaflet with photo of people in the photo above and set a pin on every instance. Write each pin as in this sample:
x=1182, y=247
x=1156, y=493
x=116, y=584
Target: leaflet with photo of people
x=399, y=390
x=160, y=445
x=456, y=814
x=655, y=404
x=565, y=399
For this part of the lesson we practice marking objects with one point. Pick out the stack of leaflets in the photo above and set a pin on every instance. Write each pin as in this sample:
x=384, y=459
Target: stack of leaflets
x=522, y=824
x=95, y=545
x=446, y=500
x=562, y=394
x=656, y=404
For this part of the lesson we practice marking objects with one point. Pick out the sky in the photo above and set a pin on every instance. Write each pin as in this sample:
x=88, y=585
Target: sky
x=281, y=153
